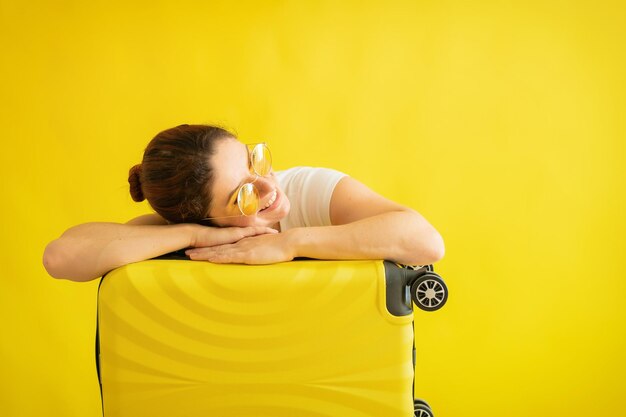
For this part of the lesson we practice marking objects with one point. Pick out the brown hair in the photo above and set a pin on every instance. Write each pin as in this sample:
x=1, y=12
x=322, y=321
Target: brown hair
x=175, y=175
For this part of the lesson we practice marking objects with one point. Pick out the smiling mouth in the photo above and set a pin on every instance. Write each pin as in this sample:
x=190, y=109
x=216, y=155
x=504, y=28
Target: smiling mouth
x=271, y=201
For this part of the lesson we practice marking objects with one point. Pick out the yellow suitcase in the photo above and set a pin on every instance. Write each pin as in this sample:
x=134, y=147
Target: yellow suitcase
x=297, y=339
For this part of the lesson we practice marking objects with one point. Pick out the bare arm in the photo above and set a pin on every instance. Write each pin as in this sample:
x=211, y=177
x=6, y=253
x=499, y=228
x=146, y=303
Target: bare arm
x=89, y=250
x=365, y=226
x=399, y=236
x=369, y=226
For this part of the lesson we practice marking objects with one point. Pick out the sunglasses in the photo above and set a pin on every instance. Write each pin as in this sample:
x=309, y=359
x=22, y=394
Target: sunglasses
x=248, y=197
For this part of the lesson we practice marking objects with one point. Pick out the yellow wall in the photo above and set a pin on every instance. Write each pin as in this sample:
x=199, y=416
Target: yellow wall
x=501, y=122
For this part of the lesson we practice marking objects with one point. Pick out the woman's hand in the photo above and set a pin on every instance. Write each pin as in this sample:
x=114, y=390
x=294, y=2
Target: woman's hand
x=205, y=236
x=265, y=248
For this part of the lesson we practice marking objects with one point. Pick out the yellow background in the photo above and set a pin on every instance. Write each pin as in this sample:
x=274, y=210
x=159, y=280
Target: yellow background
x=501, y=122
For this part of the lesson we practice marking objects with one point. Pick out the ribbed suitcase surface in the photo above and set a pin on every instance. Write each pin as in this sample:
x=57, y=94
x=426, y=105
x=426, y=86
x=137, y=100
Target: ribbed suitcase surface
x=297, y=339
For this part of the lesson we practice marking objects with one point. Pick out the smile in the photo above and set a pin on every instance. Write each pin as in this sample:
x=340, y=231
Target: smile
x=271, y=200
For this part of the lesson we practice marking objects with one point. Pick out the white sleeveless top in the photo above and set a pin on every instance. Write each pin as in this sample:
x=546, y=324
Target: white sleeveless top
x=309, y=191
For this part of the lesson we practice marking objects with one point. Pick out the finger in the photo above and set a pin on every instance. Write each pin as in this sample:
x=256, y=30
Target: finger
x=257, y=230
x=224, y=257
x=228, y=253
x=239, y=233
x=233, y=234
x=200, y=254
x=204, y=254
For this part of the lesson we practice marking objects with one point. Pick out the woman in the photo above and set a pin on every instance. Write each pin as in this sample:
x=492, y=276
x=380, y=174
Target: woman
x=220, y=198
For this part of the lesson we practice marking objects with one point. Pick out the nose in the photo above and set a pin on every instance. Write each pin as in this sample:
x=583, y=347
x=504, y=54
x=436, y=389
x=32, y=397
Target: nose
x=265, y=185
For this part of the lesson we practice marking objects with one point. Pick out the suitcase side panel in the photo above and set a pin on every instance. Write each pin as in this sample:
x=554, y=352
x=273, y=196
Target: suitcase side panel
x=306, y=338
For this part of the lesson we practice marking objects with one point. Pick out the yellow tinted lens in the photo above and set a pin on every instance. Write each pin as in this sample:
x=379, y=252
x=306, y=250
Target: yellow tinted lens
x=261, y=159
x=248, y=199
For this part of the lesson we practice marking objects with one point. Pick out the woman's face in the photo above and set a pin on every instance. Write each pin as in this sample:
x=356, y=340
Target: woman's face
x=231, y=164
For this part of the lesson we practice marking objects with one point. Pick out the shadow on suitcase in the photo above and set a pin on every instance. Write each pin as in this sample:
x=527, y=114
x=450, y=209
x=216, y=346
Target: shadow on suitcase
x=302, y=338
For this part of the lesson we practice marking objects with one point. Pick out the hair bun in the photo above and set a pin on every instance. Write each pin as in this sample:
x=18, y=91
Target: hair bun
x=134, y=179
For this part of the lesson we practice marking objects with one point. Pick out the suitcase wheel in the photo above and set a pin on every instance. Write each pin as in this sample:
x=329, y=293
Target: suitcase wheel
x=422, y=409
x=429, y=292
